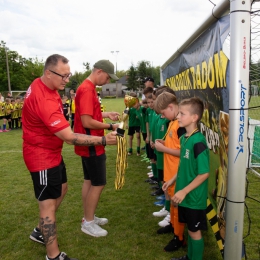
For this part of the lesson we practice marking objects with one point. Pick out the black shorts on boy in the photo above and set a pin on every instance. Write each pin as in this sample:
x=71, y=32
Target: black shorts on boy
x=94, y=169
x=133, y=129
x=196, y=219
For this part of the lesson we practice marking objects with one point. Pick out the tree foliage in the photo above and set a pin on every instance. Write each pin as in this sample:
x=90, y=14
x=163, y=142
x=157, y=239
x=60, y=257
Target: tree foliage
x=137, y=75
x=132, y=78
x=23, y=71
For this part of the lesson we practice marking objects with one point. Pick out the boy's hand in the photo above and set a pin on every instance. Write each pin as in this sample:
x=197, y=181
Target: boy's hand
x=165, y=186
x=160, y=141
x=115, y=126
x=179, y=197
x=158, y=145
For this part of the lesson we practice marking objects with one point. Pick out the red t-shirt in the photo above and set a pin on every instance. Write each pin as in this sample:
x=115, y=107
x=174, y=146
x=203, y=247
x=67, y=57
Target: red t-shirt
x=87, y=103
x=42, y=117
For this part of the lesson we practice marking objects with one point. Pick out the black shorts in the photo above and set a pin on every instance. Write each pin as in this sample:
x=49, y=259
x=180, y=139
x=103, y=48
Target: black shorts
x=48, y=183
x=144, y=136
x=151, y=153
x=160, y=175
x=94, y=169
x=2, y=117
x=7, y=117
x=196, y=219
x=72, y=117
x=133, y=129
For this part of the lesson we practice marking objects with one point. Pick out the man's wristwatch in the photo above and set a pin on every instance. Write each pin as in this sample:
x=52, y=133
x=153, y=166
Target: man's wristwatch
x=110, y=127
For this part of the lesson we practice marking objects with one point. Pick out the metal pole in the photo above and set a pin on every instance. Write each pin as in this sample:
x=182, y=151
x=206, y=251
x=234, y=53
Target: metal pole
x=116, y=53
x=7, y=69
x=238, y=122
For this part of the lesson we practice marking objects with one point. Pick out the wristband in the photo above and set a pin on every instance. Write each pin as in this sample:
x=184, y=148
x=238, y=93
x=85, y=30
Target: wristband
x=104, y=142
x=110, y=127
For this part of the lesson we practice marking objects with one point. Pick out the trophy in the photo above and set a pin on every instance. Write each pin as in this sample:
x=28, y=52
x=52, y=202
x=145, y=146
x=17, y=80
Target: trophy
x=129, y=102
x=121, y=160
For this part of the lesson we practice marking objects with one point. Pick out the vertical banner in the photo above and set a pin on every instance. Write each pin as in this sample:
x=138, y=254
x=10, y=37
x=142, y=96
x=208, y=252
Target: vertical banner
x=202, y=70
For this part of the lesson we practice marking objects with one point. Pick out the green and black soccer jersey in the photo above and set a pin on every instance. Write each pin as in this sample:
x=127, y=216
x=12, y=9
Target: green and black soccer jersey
x=160, y=129
x=133, y=120
x=141, y=114
x=194, y=160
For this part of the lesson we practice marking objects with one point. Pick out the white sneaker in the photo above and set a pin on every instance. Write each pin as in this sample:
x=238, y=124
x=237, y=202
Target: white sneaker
x=165, y=222
x=100, y=221
x=162, y=213
x=93, y=229
x=149, y=167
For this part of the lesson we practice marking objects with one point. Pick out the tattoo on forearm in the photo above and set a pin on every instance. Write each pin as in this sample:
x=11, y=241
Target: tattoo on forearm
x=84, y=140
x=48, y=230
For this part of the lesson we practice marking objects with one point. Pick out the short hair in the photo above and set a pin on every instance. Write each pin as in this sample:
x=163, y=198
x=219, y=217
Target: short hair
x=148, y=90
x=150, y=96
x=196, y=106
x=144, y=101
x=163, y=101
x=132, y=94
x=53, y=60
x=162, y=89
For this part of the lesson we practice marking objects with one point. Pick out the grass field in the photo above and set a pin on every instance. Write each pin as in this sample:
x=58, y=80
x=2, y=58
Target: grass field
x=131, y=228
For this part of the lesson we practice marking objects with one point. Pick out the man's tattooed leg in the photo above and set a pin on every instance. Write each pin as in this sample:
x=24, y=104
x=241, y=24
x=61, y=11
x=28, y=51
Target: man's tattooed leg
x=48, y=230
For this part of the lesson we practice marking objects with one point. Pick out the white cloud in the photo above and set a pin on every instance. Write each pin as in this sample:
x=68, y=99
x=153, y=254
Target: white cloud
x=86, y=31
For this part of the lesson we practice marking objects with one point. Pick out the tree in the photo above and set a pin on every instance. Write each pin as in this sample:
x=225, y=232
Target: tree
x=132, y=78
x=21, y=71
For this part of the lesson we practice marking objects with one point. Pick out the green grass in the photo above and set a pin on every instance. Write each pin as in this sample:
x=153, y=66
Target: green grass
x=131, y=228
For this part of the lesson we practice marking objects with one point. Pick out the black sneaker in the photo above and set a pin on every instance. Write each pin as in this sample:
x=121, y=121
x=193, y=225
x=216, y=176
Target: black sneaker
x=62, y=256
x=181, y=258
x=158, y=192
x=37, y=236
x=175, y=244
x=166, y=229
x=153, y=182
x=155, y=187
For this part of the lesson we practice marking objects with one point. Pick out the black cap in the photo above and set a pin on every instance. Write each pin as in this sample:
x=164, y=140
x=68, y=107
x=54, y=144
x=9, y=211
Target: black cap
x=148, y=79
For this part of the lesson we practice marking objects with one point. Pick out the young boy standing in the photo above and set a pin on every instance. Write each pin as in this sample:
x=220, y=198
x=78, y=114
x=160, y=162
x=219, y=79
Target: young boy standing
x=133, y=128
x=192, y=178
x=166, y=104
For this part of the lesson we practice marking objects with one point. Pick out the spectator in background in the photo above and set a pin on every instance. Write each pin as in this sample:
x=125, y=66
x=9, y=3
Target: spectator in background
x=72, y=109
x=66, y=107
x=2, y=99
x=148, y=82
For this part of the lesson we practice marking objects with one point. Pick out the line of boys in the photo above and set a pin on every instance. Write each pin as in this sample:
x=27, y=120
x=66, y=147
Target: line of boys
x=11, y=113
x=172, y=133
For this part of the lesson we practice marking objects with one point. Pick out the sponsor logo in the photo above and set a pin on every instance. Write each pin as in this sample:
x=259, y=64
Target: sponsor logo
x=187, y=154
x=197, y=224
x=241, y=130
x=28, y=92
x=55, y=122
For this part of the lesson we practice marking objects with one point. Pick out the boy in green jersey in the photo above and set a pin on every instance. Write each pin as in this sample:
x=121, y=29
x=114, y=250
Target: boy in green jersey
x=133, y=128
x=192, y=178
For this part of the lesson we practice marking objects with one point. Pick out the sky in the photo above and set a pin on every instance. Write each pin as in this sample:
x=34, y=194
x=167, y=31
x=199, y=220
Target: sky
x=90, y=30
